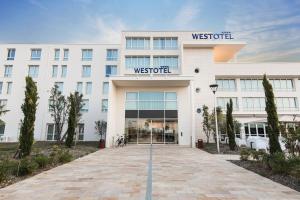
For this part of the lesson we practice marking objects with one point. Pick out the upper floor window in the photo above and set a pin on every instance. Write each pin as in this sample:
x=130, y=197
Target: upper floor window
x=80, y=131
x=85, y=107
x=165, y=43
x=86, y=71
x=1, y=87
x=8, y=71
x=11, y=54
x=105, y=88
x=36, y=54
x=286, y=103
x=9, y=87
x=170, y=61
x=88, y=88
x=79, y=87
x=64, y=70
x=226, y=84
x=110, y=70
x=254, y=103
x=137, y=61
x=60, y=86
x=54, y=71
x=33, y=71
x=56, y=54
x=66, y=54
x=104, y=105
x=137, y=43
x=251, y=85
x=282, y=84
x=87, y=54
x=222, y=102
x=112, y=54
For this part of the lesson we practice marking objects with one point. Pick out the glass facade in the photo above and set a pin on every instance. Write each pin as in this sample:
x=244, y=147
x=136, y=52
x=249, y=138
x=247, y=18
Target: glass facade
x=170, y=61
x=282, y=84
x=286, y=103
x=151, y=117
x=222, y=102
x=137, y=61
x=227, y=85
x=251, y=85
x=137, y=43
x=165, y=43
x=254, y=103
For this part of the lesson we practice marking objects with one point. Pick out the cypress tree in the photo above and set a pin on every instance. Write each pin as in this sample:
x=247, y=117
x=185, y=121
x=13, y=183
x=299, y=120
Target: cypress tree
x=75, y=102
x=230, y=126
x=27, y=124
x=273, y=123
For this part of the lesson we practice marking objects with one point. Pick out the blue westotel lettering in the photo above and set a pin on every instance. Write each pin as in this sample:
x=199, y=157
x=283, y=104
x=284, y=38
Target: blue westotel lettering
x=150, y=70
x=212, y=36
x=195, y=36
x=137, y=70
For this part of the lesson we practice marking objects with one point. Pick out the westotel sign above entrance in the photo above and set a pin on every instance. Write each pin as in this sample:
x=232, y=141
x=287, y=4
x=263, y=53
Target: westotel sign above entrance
x=212, y=36
x=152, y=70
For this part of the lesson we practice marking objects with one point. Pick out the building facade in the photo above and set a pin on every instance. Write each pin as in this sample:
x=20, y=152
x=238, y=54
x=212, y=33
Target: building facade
x=150, y=87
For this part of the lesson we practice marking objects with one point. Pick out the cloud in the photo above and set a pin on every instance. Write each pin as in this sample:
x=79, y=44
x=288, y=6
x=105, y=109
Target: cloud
x=187, y=14
x=270, y=29
x=102, y=29
x=38, y=4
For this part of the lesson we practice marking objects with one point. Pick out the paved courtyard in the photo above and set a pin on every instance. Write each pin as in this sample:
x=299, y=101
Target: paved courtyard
x=175, y=173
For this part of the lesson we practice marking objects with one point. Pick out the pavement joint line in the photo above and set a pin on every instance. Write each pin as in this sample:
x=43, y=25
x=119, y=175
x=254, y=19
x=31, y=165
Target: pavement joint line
x=149, y=178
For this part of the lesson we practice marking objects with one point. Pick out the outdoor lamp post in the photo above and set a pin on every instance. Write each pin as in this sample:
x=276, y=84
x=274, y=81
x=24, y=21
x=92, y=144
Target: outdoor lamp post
x=214, y=88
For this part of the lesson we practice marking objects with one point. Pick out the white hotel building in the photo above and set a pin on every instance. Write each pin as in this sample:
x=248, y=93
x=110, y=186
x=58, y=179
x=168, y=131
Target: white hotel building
x=147, y=107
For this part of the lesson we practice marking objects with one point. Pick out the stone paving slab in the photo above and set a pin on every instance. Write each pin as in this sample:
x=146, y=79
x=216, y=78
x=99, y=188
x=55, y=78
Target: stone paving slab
x=179, y=173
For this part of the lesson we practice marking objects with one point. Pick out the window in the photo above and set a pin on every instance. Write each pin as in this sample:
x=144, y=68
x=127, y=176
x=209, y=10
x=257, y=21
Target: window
x=56, y=54
x=255, y=129
x=51, y=132
x=79, y=87
x=88, y=88
x=54, y=71
x=86, y=71
x=64, y=71
x=137, y=43
x=11, y=54
x=226, y=85
x=151, y=101
x=36, y=54
x=3, y=102
x=85, y=107
x=33, y=71
x=282, y=84
x=87, y=54
x=112, y=54
x=110, y=70
x=222, y=102
x=104, y=105
x=80, y=131
x=165, y=43
x=254, y=103
x=60, y=86
x=170, y=61
x=9, y=88
x=254, y=85
x=137, y=61
x=66, y=54
x=105, y=88
x=2, y=129
x=8, y=71
x=1, y=86
x=286, y=103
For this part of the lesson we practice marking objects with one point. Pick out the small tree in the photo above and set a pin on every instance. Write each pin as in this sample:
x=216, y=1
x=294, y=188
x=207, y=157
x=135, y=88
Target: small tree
x=59, y=108
x=27, y=124
x=100, y=127
x=221, y=122
x=76, y=104
x=230, y=125
x=206, y=123
x=273, y=123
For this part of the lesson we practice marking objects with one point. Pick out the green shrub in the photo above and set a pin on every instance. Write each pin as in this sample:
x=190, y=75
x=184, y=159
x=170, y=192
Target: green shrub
x=244, y=154
x=27, y=166
x=7, y=168
x=3, y=172
x=257, y=155
x=41, y=160
x=279, y=163
x=64, y=157
x=294, y=164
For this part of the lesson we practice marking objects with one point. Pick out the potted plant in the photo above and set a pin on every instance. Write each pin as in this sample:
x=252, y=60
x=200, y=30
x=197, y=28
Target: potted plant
x=100, y=127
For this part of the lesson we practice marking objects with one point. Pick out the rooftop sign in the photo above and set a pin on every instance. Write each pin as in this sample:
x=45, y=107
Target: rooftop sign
x=212, y=36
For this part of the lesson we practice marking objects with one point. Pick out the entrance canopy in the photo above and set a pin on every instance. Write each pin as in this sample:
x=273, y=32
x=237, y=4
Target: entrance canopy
x=151, y=81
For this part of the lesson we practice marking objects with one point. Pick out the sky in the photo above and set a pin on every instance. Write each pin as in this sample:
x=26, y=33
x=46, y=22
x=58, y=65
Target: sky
x=271, y=28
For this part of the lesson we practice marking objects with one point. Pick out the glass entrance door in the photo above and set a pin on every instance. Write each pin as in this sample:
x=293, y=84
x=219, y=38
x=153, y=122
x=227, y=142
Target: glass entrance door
x=151, y=131
x=157, y=131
